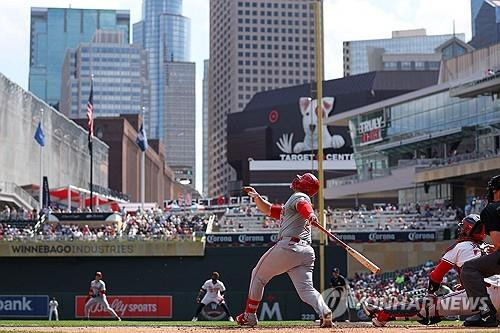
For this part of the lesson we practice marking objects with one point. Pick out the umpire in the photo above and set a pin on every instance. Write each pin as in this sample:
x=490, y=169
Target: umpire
x=474, y=271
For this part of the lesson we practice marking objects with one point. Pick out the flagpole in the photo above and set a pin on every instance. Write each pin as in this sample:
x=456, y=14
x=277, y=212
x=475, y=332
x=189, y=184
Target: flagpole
x=143, y=167
x=40, y=199
x=91, y=150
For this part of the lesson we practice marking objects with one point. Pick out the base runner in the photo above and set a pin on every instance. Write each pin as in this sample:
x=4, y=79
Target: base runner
x=292, y=253
x=214, y=291
x=97, y=295
x=432, y=309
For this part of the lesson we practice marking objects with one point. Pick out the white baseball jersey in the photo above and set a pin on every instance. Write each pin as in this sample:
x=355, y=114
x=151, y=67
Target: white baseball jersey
x=463, y=252
x=213, y=290
x=53, y=304
x=97, y=286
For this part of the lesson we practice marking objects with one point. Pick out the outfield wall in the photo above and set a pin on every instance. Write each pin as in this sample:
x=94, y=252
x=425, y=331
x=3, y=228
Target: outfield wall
x=178, y=277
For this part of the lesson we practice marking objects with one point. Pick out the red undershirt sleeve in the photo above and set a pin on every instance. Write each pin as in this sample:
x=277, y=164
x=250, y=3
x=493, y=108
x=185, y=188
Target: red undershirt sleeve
x=440, y=271
x=304, y=208
x=276, y=211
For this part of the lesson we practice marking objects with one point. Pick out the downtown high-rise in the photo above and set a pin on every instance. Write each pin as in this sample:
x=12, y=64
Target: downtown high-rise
x=53, y=31
x=121, y=84
x=485, y=23
x=165, y=34
x=254, y=46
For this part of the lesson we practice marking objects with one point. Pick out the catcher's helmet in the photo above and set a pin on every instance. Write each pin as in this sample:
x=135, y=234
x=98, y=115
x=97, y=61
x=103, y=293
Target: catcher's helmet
x=471, y=227
x=307, y=183
x=493, y=185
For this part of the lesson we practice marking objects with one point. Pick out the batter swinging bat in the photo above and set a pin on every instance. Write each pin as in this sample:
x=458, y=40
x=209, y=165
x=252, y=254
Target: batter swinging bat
x=358, y=256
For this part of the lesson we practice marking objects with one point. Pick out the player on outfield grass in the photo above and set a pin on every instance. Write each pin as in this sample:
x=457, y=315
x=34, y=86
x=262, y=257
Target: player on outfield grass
x=430, y=310
x=213, y=290
x=97, y=295
x=292, y=253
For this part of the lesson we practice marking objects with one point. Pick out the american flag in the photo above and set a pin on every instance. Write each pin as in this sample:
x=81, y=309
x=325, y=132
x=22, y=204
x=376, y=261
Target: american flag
x=90, y=113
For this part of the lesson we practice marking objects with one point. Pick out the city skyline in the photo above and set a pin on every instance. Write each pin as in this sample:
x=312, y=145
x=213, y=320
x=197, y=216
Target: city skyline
x=380, y=17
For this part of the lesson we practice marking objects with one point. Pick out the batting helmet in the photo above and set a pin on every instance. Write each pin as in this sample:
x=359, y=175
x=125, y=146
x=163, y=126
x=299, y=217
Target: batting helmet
x=307, y=183
x=493, y=185
x=471, y=227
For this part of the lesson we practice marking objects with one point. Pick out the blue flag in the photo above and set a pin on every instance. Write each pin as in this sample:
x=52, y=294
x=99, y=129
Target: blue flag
x=142, y=140
x=39, y=136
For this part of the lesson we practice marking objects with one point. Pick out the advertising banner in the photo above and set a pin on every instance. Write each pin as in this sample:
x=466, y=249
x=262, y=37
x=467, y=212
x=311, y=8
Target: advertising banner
x=241, y=239
x=29, y=306
x=155, y=306
x=388, y=236
x=100, y=248
x=250, y=239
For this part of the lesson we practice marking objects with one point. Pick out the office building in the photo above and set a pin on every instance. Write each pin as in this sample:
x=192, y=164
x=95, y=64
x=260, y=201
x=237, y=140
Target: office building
x=485, y=21
x=206, y=75
x=179, y=125
x=165, y=34
x=53, y=31
x=121, y=84
x=406, y=50
x=254, y=46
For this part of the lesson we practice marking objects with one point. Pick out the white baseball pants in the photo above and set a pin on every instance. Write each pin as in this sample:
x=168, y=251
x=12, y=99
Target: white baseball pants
x=296, y=259
x=103, y=301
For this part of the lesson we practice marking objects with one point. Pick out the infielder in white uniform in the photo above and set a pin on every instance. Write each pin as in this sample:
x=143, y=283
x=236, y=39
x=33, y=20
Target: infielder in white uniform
x=213, y=290
x=432, y=309
x=53, y=304
x=292, y=253
x=97, y=295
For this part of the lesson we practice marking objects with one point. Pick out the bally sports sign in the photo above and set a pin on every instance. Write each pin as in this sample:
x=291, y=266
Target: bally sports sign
x=128, y=307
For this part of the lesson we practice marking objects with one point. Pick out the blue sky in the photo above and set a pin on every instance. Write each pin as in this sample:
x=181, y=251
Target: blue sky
x=343, y=19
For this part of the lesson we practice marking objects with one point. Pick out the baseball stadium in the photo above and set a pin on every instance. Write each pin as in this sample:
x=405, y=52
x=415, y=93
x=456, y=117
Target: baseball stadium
x=366, y=203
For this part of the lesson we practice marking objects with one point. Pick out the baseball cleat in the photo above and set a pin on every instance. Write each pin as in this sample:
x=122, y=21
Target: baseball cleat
x=247, y=319
x=478, y=320
x=194, y=319
x=230, y=318
x=375, y=313
x=326, y=321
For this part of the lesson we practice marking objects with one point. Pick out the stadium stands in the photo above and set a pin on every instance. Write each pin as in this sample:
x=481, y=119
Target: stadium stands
x=396, y=287
x=247, y=219
x=140, y=226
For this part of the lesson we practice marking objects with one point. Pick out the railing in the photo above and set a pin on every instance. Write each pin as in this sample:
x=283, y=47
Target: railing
x=11, y=188
x=419, y=163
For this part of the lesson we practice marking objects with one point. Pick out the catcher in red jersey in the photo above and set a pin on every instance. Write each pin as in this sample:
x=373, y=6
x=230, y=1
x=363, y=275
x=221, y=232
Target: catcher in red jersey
x=292, y=253
x=430, y=310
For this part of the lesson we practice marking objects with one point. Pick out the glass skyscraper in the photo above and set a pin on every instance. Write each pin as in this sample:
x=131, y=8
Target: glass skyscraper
x=53, y=31
x=121, y=84
x=165, y=34
x=485, y=20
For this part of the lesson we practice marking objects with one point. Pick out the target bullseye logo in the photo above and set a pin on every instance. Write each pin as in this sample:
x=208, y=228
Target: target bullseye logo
x=274, y=116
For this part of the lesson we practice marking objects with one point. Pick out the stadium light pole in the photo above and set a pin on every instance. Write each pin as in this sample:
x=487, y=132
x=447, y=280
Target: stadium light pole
x=319, y=106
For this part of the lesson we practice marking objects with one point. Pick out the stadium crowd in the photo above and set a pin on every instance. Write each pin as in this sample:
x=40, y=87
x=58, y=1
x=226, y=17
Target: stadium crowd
x=145, y=225
x=397, y=287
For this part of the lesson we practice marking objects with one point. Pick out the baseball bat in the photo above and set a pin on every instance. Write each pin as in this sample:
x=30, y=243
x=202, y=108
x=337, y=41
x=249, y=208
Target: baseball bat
x=355, y=254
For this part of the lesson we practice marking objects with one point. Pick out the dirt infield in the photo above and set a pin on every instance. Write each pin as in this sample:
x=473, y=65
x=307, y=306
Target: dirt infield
x=341, y=328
